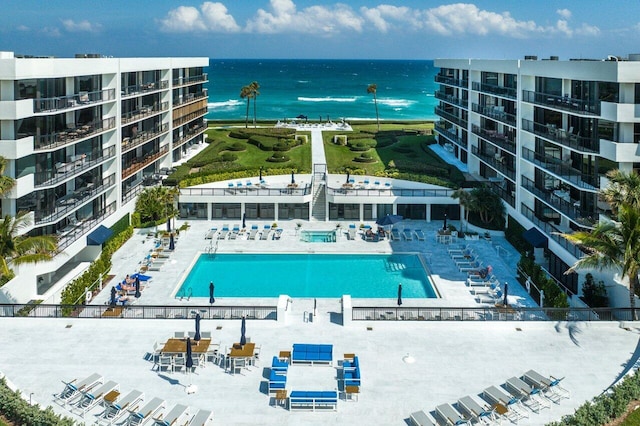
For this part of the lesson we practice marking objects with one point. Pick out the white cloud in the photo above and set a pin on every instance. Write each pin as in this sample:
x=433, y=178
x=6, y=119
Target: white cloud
x=51, y=31
x=563, y=27
x=82, y=26
x=217, y=18
x=564, y=13
x=386, y=17
x=588, y=30
x=23, y=28
x=212, y=17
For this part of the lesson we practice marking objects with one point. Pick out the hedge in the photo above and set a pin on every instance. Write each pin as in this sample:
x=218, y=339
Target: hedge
x=15, y=409
x=554, y=296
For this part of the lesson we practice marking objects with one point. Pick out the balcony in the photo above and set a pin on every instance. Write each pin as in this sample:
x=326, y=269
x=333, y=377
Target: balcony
x=564, y=103
x=560, y=201
x=80, y=99
x=138, y=164
x=451, y=81
x=448, y=134
x=451, y=117
x=506, y=195
x=194, y=131
x=562, y=137
x=74, y=167
x=495, y=112
x=505, y=92
x=71, y=201
x=182, y=119
x=451, y=99
x=191, y=97
x=494, y=161
x=562, y=170
x=183, y=81
x=551, y=232
x=73, y=134
x=138, y=89
x=499, y=139
x=65, y=239
x=129, y=143
x=144, y=112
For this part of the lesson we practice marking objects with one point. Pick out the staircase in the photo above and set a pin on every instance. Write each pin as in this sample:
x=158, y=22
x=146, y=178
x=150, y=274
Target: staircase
x=318, y=210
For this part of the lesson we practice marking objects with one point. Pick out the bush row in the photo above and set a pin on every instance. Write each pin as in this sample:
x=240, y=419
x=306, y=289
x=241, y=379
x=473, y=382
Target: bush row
x=15, y=409
x=554, y=296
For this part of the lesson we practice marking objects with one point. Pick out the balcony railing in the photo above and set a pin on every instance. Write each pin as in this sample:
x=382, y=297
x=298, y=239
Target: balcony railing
x=562, y=137
x=451, y=117
x=182, y=81
x=139, y=164
x=449, y=135
x=74, y=134
x=505, y=92
x=129, y=143
x=496, y=113
x=250, y=191
x=565, y=103
x=59, y=103
x=84, y=226
x=552, y=232
x=451, y=99
x=388, y=192
x=568, y=208
x=144, y=88
x=191, y=97
x=499, y=139
x=562, y=171
x=72, y=200
x=494, y=162
x=63, y=171
x=146, y=111
x=451, y=81
x=187, y=118
x=194, y=131
x=131, y=191
x=500, y=189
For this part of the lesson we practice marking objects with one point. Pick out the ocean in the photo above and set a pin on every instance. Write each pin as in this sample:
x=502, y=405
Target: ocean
x=322, y=89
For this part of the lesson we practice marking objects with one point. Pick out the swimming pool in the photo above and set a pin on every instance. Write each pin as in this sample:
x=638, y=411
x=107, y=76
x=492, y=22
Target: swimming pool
x=318, y=236
x=309, y=275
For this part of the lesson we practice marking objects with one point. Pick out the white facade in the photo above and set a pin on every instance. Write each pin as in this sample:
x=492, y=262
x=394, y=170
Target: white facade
x=543, y=134
x=81, y=136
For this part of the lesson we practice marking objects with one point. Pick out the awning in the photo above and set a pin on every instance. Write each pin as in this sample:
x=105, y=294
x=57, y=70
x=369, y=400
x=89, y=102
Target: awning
x=99, y=236
x=536, y=238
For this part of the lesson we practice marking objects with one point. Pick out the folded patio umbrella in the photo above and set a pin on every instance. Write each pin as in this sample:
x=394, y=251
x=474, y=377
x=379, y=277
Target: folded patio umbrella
x=172, y=243
x=506, y=289
x=399, y=294
x=112, y=301
x=212, y=299
x=243, y=330
x=137, y=293
x=347, y=177
x=293, y=179
x=197, y=337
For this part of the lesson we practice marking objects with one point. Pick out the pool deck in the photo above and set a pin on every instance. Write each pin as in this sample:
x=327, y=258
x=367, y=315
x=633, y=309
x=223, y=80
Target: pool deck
x=452, y=359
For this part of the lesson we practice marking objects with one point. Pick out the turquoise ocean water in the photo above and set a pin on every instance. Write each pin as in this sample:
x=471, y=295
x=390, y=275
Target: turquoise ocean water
x=322, y=88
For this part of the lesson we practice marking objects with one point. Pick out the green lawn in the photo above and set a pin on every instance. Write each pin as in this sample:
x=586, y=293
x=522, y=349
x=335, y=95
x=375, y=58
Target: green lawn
x=632, y=419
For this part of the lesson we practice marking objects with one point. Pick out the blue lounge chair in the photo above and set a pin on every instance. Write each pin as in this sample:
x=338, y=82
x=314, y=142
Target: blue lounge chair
x=116, y=410
x=279, y=366
x=173, y=416
x=223, y=232
x=265, y=232
x=234, y=232
x=72, y=390
x=408, y=234
x=253, y=232
x=145, y=414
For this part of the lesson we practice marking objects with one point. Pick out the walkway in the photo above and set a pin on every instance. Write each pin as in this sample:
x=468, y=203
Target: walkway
x=317, y=148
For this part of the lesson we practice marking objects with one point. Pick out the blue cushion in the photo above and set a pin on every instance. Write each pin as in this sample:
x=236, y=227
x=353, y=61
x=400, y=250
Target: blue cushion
x=277, y=385
x=277, y=377
x=324, y=356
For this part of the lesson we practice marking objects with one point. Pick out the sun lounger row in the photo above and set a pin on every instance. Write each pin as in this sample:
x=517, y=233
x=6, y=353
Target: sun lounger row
x=313, y=400
x=312, y=354
x=533, y=391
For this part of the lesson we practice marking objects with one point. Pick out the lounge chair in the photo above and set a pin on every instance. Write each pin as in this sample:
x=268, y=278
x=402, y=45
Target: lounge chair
x=419, y=234
x=145, y=414
x=93, y=397
x=352, y=231
x=420, y=418
x=116, y=410
x=395, y=235
x=223, y=232
x=173, y=417
x=473, y=266
x=202, y=418
x=480, y=413
x=408, y=234
x=515, y=410
x=72, y=390
x=234, y=232
x=550, y=386
x=457, y=249
x=450, y=415
x=530, y=396
x=265, y=233
x=210, y=234
x=253, y=232
x=277, y=234
x=463, y=254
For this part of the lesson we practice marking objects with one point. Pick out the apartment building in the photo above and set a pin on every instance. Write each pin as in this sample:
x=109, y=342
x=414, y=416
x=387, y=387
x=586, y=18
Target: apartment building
x=82, y=137
x=543, y=134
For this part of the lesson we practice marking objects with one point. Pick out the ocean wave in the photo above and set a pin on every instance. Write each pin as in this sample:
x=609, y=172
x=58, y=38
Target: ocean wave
x=231, y=103
x=303, y=81
x=396, y=103
x=326, y=99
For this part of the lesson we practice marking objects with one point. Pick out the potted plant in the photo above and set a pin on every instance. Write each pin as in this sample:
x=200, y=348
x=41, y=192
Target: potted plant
x=274, y=225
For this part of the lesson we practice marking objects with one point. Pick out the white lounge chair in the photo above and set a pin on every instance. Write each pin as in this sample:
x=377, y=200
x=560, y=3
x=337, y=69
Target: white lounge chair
x=146, y=414
x=532, y=398
x=549, y=385
x=72, y=390
x=253, y=232
x=420, y=418
x=473, y=266
x=352, y=231
x=234, y=232
x=515, y=410
x=482, y=414
x=408, y=234
x=419, y=234
x=451, y=415
x=223, y=232
x=173, y=417
x=395, y=235
x=210, y=234
x=116, y=410
x=95, y=396
x=202, y=418
x=265, y=233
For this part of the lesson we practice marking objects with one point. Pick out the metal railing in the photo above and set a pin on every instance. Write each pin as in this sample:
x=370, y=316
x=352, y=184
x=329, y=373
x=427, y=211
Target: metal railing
x=244, y=190
x=140, y=163
x=562, y=171
x=491, y=160
x=84, y=226
x=448, y=134
x=190, y=98
x=505, y=92
x=389, y=192
x=491, y=314
x=551, y=231
x=451, y=117
x=190, y=80
x=583, y=144
x=73, y=135
x=500, y=139
x=147, y=111
x=451, y=81
x=144, y=88
x=58, y=174
x=566, y=103
x=495, y=112
x=451, y=99
x=58, y=103
x=129, y=143
x=139, y=311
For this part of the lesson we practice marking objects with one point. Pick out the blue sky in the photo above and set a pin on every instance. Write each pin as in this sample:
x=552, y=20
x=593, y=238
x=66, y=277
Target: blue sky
x=384, y=29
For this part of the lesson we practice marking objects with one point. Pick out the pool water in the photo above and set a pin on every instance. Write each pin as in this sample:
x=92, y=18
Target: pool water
x=318, y=236
x=309, y=275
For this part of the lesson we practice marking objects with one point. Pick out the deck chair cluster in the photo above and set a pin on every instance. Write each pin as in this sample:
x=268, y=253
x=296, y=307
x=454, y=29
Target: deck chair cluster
x=513, y=401
x=92, y=395
x=234, y=232
x=158, y=256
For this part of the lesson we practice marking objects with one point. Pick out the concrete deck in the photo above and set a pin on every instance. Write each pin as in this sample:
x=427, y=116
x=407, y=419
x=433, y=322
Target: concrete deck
x=452, y=359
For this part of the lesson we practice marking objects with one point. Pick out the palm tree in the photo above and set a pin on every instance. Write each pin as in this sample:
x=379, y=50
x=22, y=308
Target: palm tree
x=17, y=248
x=623, y=188
x=467, y=201
x=246, y=93
x=373, y=88
x=487, y=203
x=613, y=245
x=6, y=183
x=254, y=93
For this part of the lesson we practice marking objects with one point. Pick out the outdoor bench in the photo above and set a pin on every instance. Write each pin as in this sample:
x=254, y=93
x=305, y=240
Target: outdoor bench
x=312, y=354
x=313, y=400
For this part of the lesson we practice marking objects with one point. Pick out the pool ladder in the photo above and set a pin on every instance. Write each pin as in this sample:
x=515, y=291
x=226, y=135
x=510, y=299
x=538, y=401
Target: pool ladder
x=212, y=248
x=188, y=292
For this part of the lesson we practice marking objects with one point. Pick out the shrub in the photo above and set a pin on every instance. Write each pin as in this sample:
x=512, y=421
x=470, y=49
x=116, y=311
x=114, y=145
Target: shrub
x=554, y=296
x=277, y=158
x=281, y=146
x=513, y=234
x=238, y=146
x=18, y=411
x=595, y=294
x=228, y=157
x=364, y=158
